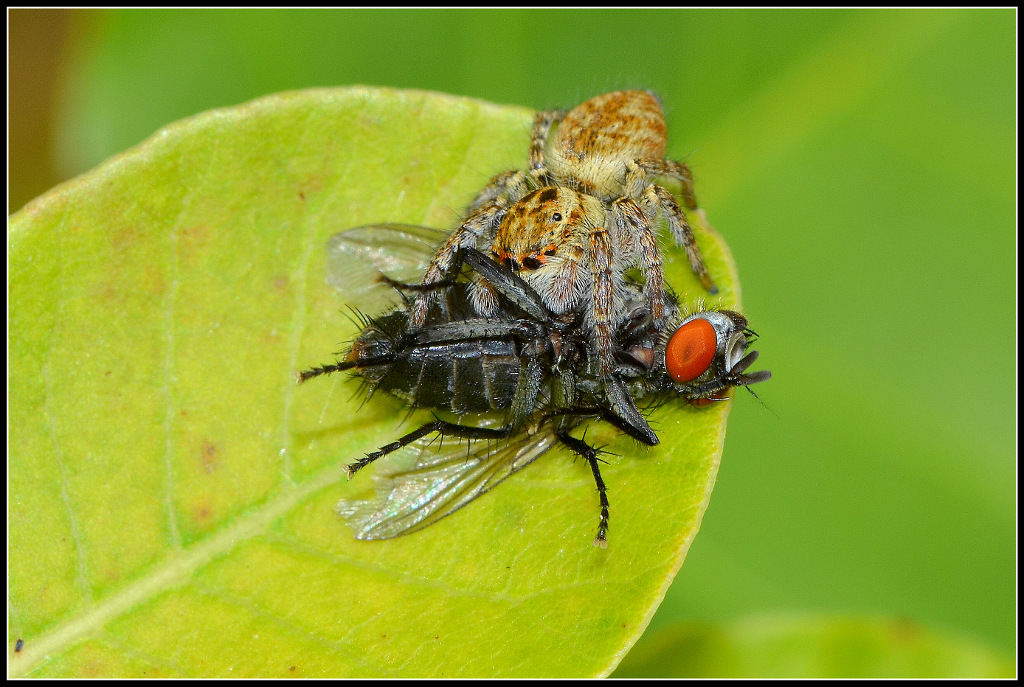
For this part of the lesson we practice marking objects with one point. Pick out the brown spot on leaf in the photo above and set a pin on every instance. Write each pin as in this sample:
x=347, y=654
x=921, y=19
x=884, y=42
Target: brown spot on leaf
x=208, y=456
x=195, y=233
x=94, y=669
x=125, y=236
x=311, y=184
x=193, y=241
x=202, y=514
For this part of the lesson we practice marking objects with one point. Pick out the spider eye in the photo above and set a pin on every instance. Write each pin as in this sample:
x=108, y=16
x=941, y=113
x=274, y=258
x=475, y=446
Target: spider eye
x=557, y=217
x=531, y=263
x=511, y=264
x=691, y=350
x=550, y=252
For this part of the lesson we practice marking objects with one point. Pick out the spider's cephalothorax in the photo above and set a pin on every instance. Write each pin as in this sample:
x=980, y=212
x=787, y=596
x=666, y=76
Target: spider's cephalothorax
x=594, y=171
x=573, y=249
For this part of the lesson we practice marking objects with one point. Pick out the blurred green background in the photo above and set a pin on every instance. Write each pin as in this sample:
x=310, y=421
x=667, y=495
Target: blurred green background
x=861, y=165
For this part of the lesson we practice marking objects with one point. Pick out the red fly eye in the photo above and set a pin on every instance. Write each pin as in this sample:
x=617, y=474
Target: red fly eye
x=690, y=350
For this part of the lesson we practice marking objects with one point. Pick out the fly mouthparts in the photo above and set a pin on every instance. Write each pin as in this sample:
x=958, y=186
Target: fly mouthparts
x=756, y=377
x=740, y=367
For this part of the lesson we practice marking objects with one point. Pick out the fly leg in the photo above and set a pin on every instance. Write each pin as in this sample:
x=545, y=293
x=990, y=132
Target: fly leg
x=627, y=416
x=300, y=377
x=623, y=415
x=402, y=286
x=441, y=427
x=581, y=448
x=527, y=388
x=508, y=284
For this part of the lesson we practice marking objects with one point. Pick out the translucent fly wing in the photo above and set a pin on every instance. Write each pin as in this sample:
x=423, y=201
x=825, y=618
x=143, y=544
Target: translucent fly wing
x=357, y=256
x=425, y=482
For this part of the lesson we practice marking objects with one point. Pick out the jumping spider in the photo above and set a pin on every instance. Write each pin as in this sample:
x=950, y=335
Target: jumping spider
x=581, y=216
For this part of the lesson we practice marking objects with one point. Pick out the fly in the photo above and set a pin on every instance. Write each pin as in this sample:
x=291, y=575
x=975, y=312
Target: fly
x=525, y=362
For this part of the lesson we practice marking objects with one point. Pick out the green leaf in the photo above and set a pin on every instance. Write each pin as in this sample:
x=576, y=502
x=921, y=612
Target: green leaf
x=861, y=164
x=795, y=646
x=172, y=489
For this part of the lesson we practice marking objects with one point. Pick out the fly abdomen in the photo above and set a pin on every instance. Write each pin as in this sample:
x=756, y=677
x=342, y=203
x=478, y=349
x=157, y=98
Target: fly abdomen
x=486, y=381
x=464, y=376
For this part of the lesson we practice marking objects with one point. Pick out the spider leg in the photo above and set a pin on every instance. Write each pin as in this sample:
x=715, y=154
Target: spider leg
x=624, y=409
x=658, y=197
x=483, y=297
x=506, y=184
x=485, y=214
x=542, y=125
x=603, y=297
x=565, y=285
x=673, y=170
x=630, y=220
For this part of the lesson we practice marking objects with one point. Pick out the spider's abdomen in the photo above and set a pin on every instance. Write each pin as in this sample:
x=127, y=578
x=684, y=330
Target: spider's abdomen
x=598, y=137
